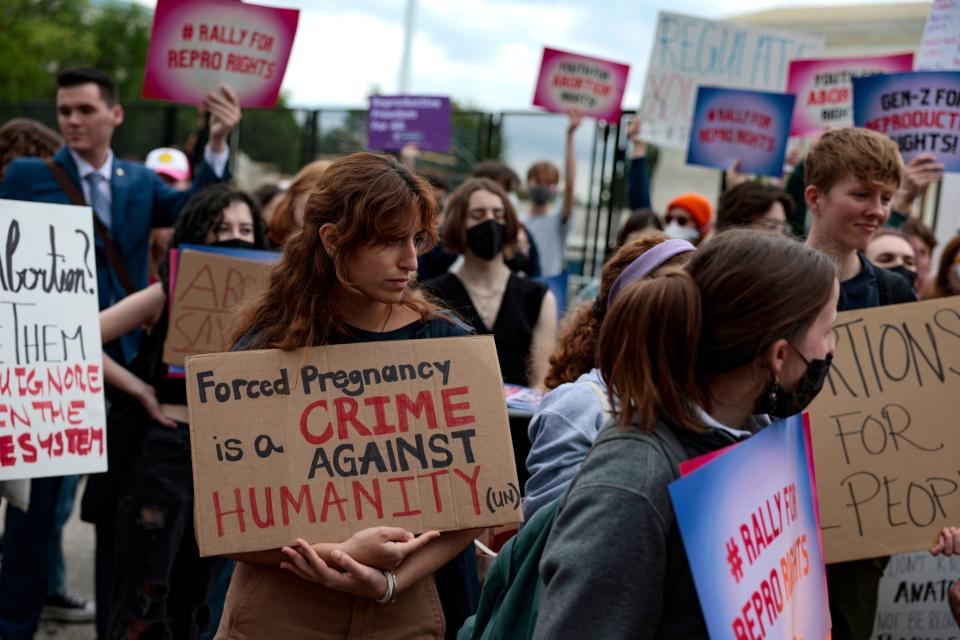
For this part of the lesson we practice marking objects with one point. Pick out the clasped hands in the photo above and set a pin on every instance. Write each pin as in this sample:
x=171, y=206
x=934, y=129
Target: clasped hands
x=356, y=566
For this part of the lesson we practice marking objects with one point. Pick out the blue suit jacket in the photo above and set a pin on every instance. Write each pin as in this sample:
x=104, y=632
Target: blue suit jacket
x=140, y=201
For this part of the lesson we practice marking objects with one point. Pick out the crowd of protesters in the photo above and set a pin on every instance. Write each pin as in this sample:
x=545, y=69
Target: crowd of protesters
x=706, y=323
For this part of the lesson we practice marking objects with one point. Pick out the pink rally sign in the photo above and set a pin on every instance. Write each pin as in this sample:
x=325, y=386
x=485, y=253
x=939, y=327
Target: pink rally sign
x=592, y=85
x=197, y=45
x=824, y=89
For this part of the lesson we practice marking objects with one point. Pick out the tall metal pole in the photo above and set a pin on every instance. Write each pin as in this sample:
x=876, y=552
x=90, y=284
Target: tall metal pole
x=409, y=27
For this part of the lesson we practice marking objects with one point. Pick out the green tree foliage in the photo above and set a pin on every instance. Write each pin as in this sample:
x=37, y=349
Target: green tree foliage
x=39, y=38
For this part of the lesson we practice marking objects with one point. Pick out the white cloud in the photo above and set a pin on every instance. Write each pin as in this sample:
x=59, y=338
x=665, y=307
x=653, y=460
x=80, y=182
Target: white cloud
x=481, y=52
x=335, y=61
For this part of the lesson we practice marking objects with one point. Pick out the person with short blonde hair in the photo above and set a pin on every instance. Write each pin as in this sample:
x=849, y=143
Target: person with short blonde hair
x=852, y=176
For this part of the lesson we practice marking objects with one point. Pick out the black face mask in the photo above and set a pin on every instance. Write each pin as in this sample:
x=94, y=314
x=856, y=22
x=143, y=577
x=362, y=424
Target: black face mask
x=910, y=276
x=233, y=243
x=486, y=239
x=541, y=195
x=779, y=403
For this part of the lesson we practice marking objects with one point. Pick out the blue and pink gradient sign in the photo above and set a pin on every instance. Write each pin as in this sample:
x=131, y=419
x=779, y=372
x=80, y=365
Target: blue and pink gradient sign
x=749, y=524
x=824, y=91
x=920, y=111
x=198, y=45
x=735, y=124
x=570, y=80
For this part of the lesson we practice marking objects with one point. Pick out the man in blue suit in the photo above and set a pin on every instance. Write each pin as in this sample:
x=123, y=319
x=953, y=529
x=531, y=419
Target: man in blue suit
x=129, y=200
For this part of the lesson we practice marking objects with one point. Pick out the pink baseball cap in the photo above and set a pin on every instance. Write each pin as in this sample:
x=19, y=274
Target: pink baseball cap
x=169, y=162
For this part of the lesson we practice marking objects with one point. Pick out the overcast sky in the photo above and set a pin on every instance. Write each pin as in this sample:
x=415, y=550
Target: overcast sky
x=484, y=53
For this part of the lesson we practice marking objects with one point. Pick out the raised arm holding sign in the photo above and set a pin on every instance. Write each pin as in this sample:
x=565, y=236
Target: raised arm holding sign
x=196, y=44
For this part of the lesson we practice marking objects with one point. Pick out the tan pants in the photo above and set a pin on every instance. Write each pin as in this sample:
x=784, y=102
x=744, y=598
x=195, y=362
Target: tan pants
x=268, y=603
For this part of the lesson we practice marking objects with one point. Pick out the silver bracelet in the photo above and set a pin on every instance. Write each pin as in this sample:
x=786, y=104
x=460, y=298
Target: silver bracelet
x=391, y=594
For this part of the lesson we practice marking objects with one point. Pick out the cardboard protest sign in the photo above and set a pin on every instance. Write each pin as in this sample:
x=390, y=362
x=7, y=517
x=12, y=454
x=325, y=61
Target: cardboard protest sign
x=912, y=599
x=208, y=289
x=689, y=52
x=884, y=427
x=919, y=110
x=749, y=527
x=52, y=418
x=198, y=45
x=825, y=92
x=940, y=46
x=322, y=442
x=749, y=126
x=592, y=85
x=394, y=121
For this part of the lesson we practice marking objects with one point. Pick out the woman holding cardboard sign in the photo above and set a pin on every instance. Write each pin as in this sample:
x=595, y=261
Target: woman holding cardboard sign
x=154, y=517
x=345, y=277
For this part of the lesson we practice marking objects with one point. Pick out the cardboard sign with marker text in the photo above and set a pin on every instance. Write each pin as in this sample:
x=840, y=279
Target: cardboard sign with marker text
x=322, y=442
x=884, y=431
x=209, y=289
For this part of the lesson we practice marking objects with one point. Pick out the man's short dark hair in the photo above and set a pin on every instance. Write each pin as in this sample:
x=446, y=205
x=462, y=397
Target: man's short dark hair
x=74, y=77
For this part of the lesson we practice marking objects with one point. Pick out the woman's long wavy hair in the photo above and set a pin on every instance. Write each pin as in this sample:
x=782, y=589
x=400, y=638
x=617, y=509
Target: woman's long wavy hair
x=370, y=199
x=576, y=351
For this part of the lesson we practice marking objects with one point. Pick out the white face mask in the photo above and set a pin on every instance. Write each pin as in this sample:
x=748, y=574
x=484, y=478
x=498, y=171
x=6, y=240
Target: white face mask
x=688, y=233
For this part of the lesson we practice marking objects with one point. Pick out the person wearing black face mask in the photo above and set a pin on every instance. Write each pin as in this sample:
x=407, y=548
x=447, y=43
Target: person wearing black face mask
x=689, y=359
x=521, y=314
x=149, y=445
x=779, y=403
x=889, y=249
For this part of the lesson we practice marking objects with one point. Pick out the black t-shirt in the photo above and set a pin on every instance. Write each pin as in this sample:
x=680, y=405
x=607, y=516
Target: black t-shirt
x=514, y=324
x=861, y=291
x=874, y=287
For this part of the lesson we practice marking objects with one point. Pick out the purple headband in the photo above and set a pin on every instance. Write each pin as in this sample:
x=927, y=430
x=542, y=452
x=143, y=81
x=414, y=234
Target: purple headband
x=647, y=262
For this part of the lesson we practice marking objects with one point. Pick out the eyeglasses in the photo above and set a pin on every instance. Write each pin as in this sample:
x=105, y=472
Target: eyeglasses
x=680, y=220
x=780, y=226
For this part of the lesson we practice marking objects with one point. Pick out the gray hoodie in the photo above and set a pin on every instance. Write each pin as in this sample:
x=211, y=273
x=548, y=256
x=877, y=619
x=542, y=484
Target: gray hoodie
x=614, y=565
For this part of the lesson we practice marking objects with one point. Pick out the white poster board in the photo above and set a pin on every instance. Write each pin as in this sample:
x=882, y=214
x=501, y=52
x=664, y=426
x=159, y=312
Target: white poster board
x=940, y=46
x=52, y=418
x=912, y=599
x=690, y=51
